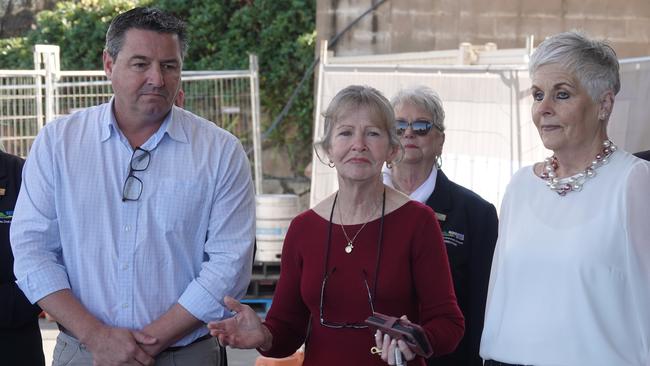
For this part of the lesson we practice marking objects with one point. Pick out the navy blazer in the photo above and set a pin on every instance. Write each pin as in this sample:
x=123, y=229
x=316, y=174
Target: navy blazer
x=15, y=310
x=469, y=226
x=643, y=155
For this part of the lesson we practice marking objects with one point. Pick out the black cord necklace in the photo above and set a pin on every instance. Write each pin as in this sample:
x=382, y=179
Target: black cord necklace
x=379, y=241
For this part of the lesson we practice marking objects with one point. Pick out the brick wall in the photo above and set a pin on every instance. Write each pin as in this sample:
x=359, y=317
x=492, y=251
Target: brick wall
x=426, y=25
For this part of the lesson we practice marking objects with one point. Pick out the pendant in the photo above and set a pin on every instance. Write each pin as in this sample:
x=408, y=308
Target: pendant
x=349, y=247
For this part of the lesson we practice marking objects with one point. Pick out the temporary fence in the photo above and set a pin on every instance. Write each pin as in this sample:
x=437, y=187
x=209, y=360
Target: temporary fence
x=490, y=134
x=31, y=98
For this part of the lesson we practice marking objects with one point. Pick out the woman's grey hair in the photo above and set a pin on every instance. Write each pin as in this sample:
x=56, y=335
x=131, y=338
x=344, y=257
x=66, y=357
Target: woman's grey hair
x=592, y=62
x=151, y=19
x=425, y=98
x=355, y=97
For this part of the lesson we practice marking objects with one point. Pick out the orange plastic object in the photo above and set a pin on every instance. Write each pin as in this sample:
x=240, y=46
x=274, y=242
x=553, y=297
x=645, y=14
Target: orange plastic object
x=293, y=360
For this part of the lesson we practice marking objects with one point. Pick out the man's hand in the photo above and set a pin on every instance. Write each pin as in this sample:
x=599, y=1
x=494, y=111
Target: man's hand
x=118, y=346
x=173, y=325
x=108, y=345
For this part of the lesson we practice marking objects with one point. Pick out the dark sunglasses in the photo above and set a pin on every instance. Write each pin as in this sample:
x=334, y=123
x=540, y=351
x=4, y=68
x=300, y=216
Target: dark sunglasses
x=420, y=127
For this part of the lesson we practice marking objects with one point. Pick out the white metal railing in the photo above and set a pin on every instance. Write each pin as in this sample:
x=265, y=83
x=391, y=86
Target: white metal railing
x=30, y=98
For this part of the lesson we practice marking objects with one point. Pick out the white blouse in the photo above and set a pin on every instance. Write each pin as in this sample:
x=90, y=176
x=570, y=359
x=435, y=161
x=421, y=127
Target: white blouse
x=570, y=280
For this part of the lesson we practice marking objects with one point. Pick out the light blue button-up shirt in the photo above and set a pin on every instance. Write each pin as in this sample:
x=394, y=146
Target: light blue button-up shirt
x=188, y=239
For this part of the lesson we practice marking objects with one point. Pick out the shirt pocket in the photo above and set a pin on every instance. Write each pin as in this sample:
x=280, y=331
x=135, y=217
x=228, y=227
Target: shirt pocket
x=182, y=204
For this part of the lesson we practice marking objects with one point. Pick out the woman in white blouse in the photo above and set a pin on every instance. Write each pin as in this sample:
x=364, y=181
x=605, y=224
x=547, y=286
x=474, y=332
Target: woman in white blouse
x=570, y=280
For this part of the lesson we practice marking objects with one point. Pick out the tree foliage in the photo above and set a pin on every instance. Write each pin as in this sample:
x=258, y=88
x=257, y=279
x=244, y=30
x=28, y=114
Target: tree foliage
x=79, y=28
x=282, y=34
x=221, y=34
x=15, y=53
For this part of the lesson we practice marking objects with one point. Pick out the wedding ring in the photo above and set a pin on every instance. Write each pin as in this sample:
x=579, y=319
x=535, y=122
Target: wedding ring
x=375, y=351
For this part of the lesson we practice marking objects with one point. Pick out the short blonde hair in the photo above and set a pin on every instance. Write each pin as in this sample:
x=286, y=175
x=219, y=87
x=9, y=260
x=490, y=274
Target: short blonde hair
x=354, y=97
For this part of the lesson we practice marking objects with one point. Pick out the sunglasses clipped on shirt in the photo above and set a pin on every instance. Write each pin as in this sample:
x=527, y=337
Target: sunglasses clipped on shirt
x=420, y=127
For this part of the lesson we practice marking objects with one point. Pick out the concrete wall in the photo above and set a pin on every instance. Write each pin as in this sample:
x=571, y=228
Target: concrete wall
x=426, y=25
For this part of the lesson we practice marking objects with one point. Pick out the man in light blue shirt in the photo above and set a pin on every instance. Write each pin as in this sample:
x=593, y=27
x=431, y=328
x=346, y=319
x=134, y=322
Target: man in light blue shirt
x=135, y=217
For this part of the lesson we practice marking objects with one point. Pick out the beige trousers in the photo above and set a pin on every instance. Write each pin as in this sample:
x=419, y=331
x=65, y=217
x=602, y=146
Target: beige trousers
x=69, y=352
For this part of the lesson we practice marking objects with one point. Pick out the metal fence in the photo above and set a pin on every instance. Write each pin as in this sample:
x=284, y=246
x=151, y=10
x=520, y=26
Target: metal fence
x=31, y=98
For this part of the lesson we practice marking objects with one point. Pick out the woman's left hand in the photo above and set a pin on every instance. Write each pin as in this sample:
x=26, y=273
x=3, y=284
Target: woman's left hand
x=388, y=345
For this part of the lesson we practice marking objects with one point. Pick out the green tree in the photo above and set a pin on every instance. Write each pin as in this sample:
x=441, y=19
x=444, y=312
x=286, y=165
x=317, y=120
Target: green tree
x=15, y=53
x=282, y=34
x=79, y=28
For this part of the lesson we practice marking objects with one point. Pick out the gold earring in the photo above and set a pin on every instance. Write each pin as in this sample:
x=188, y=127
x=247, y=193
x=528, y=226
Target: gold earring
x=389, y=164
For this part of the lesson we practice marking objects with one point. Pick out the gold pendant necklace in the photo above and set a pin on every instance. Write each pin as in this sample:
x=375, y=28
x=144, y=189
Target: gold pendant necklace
x=350, y=246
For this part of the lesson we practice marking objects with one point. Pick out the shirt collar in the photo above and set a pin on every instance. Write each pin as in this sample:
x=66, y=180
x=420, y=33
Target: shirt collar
x=172, y=126
x=423, y=192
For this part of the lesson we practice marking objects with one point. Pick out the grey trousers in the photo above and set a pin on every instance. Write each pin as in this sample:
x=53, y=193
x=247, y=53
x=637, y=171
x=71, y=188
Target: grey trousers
x=69, y=352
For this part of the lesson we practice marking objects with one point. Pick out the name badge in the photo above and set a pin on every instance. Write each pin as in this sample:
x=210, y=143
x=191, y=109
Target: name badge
x=453, y=238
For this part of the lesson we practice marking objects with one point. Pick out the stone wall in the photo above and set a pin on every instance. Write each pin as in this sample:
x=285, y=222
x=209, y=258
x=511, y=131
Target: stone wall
x=427, y=25
x=18, y=16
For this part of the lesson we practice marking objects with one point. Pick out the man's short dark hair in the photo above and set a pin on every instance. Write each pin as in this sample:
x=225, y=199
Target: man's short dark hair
x=146, y=19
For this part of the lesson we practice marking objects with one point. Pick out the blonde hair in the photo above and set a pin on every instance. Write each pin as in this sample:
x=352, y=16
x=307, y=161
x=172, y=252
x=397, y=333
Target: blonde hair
x=354, y=97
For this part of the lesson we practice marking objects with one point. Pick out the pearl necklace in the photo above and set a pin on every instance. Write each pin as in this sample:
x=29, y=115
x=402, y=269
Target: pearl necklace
x=574, y=183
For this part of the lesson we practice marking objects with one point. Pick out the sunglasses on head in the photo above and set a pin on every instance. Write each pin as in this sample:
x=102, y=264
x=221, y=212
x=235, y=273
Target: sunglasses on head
x=420, y=127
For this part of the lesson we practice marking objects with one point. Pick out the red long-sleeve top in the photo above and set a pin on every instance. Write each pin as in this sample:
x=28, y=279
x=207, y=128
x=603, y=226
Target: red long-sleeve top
x=413, y=279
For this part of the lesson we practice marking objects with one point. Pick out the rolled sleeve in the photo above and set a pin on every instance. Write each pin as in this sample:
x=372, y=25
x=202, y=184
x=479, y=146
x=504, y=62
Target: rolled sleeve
x=44, y=281
x=34, y=230
x=229, y=244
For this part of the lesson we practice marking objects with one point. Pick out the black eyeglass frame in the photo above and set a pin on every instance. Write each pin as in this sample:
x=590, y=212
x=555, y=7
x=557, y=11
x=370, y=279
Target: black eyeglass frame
x=371, y=295
x=420, y=127
x=334, y=325
x=132, y=170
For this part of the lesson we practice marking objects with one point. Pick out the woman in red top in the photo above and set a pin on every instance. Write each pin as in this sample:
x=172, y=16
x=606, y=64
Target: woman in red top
x=365, y=248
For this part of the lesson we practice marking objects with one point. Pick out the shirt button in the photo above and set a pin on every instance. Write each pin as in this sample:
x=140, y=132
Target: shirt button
x=125, y=305
x=127, y=227
x=125, y=267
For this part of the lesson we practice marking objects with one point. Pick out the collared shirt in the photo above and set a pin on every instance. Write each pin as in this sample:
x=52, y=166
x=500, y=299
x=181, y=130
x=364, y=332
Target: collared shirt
x=422, y=193
x=188, y=239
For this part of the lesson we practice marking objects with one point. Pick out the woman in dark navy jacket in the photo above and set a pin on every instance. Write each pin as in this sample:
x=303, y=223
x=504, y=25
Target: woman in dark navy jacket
x=643, y=155
x=468, y=222
x=20, y=337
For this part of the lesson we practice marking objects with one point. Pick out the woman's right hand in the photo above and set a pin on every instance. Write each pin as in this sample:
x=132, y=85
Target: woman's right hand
x=244, y=330
x=393, y=351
